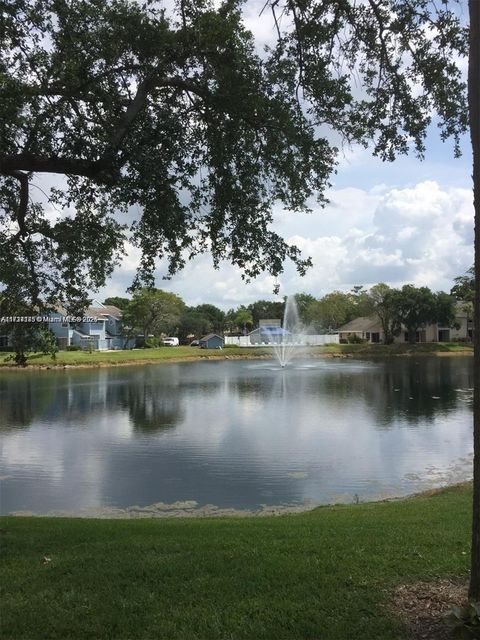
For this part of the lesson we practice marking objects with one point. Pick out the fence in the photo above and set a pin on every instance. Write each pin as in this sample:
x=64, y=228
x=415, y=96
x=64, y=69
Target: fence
x=314, y=340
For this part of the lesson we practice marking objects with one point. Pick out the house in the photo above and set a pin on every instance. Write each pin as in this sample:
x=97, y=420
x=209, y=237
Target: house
x=211, y=341
x=463, y=329
x=99, y=329
x=369, y=328
x=268, y=334
x=366, y=328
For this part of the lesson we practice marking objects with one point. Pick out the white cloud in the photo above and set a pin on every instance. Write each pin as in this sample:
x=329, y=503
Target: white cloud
x=421, y=234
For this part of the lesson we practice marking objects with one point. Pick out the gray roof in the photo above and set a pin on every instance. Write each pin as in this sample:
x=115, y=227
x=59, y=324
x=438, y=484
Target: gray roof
x=364, y=323
x=94, y=312
x=106, y=310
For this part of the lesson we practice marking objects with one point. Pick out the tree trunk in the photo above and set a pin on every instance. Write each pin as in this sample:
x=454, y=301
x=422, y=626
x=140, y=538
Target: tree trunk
x=474, y=111
x=412, y=337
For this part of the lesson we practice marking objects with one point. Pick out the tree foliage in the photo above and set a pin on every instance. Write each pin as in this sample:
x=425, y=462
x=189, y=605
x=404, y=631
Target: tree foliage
x=176, y=121
x=384, y=301
x=415, y=307
x=117, y=301
x=243, y=318
x=303, y=302
x=331, y=311
x=213, y=315
x=152, y=312
x=193, y=323
x=266, y=310
x=362, y=303
x=464, y=290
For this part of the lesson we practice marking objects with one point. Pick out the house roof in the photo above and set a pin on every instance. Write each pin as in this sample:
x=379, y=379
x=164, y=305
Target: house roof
x=269, y=331
x=273, y=331
x=364, y=323
x=94, y=312
x=104, y=310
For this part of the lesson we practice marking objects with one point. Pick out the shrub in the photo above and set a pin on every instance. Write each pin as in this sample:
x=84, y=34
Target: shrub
x=354, y=339
x=72, y=347
x=152, y=343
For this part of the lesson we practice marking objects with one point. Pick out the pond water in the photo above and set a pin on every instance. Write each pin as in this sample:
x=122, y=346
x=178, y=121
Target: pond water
x=233, y=434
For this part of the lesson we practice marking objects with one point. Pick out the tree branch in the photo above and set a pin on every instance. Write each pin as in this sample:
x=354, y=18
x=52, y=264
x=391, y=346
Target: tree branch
x=31, y=163
x=125, y=122
x=23, y=203
x=138, y=103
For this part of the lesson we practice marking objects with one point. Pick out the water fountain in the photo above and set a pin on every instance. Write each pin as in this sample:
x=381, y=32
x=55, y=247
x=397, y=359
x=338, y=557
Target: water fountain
x=292, y=337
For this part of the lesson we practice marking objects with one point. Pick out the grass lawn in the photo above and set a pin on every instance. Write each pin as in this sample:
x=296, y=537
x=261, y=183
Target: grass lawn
x=162, y=354
x=324, y=575
x=165, y=354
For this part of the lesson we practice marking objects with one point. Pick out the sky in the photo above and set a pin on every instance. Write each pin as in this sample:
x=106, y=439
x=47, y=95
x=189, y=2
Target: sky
x=402, y=222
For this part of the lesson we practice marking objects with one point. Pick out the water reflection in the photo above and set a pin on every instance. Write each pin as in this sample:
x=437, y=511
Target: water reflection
x=21, y=399
x=415, y=391
x=150, y=403
x=235, y=434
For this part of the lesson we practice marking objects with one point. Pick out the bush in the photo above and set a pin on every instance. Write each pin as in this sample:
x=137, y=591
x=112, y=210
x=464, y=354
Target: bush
x=354, y=339
x=152, y=343
x=72, y=347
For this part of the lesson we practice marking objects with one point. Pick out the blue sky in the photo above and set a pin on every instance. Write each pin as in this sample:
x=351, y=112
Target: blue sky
x=409, y=221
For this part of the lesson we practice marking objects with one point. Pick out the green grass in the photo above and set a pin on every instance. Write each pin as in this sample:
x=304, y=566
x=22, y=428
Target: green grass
x=162, y=354
x=98, y=358
x=323, y=575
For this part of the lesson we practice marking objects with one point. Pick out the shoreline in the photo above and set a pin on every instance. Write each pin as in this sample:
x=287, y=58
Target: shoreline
x=322, y=573
x=190, y=509
x=334, y=354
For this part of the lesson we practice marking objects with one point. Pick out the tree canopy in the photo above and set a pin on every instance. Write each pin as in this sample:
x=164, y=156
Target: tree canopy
x=151, y=313
x=464, y=287
x=117, y=301
x=169, y=129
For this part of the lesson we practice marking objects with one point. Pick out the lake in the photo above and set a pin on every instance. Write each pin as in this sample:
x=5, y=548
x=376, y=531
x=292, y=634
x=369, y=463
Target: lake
x=157, y=439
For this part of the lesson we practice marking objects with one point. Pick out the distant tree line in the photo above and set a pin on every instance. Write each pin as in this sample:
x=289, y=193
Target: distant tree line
x=153, y=313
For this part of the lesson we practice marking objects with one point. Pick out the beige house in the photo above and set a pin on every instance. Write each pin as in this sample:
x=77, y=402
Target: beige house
x=370, y=329
x=366, y=327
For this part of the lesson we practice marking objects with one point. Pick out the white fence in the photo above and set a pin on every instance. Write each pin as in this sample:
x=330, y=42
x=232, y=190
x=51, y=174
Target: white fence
x=244, y=341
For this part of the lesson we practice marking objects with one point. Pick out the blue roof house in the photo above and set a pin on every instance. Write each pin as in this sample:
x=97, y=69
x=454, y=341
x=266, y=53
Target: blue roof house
x=268, y=335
